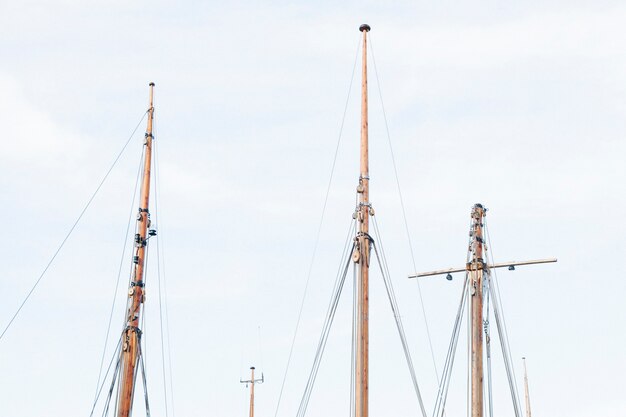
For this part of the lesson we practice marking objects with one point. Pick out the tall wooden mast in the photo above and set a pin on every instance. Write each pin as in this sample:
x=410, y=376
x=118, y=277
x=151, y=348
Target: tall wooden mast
x=252, y=381
x=476, y=267
x=362, y=252
x=131, y=338
x=526, y=393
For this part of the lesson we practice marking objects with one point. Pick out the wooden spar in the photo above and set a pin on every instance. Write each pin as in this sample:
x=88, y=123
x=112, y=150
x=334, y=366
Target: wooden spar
x=526, y=393
x=131, y=338
x=252, y=381
x=476, y=308
x=362, y=252
x=510, y=265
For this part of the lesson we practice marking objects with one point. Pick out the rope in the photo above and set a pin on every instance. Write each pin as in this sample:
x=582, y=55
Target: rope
x=503, y=334
x=404, y=217
x=99, y=391
x=384, y=270
x=330, y=315
x=161, y=254
x=487, y=284
x=354, y=343
x=161, y=307
x=317, y=238
x=444, y=385
x=80, y=216
x=145, y=383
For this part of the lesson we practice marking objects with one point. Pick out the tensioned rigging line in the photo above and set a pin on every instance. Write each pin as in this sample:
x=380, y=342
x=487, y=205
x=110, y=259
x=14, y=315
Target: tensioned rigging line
x=119, y=271
x=503, y=334
x=330, y=314
x=145, y=383
x=355, y=312
x=442, y=393
x=161, y=296
x=319, y=231
x=161, y=262
x=80, y=216
x=99, y=391
x=384, y=269
x=487, y=331
x=406, y=223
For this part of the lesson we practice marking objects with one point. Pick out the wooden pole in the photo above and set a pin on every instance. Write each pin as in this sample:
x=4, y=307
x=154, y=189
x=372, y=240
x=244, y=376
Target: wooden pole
x=363, y=251
x=252, y=392
x=132, y=334
x=476, y=267
x=527, y=394
x=252, y=381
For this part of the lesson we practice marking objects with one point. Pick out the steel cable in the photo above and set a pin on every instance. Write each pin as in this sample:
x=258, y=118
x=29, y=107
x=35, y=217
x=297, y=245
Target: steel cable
x=406, y=223
x=384, y=269
x=80, y=216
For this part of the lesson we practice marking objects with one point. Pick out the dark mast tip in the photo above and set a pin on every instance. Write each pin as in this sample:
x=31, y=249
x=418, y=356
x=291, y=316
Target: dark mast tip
x=365, y=27
x=252, y=367
x=151, y=84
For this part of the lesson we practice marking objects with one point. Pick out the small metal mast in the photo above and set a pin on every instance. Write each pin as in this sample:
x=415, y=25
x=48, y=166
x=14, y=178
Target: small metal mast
x=361, y=254
x=131, y=338
x=252, y=381
x=526, y=393
x=477, y=269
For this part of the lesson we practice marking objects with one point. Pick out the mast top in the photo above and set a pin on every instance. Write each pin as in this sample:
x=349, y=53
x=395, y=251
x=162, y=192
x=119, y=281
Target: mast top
x=151, y=84
x=252, y=367
x=365, y=27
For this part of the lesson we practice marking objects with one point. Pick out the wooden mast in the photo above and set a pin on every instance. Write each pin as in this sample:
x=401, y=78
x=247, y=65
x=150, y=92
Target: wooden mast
x=252, y=381
x=526, y=393
x=476, y=267
x=362, y=252
x=131, y=338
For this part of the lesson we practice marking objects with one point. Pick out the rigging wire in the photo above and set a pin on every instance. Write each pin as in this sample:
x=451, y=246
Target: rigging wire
x=404, y=216
x=158, y=253
x=330, y=315
x=319, y=231
x=80, y=216
x=444, y=385
x=503, y=336
x=353, y=352
x=119, y=271
x=145, y=383
x=384, y=269
x=99, y=391
x=486, y=326
x=161, y=259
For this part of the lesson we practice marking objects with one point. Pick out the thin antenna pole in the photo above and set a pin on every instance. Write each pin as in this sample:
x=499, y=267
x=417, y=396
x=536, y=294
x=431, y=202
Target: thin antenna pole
x=131, y=338
x=362, y=252
x=527, y=394
x=252, y=381
x=476, y=267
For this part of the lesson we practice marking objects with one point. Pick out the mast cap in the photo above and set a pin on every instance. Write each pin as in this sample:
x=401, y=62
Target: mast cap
x=365, y=27
x=151, y=84
x=252, y=367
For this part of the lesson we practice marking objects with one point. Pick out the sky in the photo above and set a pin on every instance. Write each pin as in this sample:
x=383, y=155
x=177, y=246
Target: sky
x=518, y=106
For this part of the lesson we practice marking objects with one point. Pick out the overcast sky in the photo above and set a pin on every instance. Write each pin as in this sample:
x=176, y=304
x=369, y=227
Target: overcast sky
x=519, y=106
